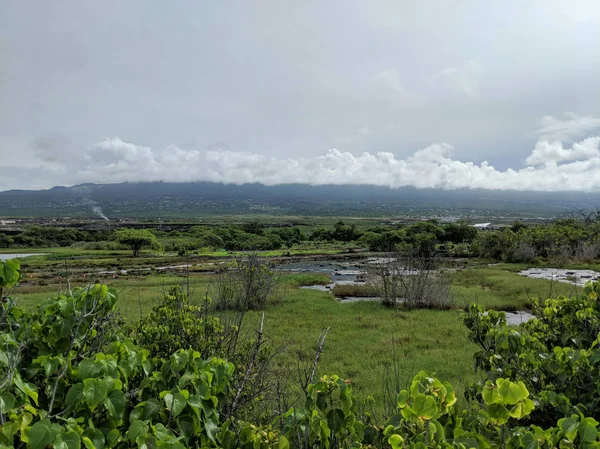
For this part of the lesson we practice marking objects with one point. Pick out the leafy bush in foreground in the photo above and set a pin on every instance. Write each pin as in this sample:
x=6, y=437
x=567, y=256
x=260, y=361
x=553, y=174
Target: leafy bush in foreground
x=69, y=379
x=556, y=355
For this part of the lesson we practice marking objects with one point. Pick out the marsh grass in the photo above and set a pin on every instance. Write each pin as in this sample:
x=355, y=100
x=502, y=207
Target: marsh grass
x=500, y=289
x=359, y=345
x=355, y=290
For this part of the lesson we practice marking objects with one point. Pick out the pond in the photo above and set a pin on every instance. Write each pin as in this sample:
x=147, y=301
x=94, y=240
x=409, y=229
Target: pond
x=14, y=256
x=577, y=277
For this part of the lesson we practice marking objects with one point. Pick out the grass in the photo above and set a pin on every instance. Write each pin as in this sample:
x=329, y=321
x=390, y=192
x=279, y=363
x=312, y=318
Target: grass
x=359, y=345
x=355, y=290
x=497, y=288
x=304, y=279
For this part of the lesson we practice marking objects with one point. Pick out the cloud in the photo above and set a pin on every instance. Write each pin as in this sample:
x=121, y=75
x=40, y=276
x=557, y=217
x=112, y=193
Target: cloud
x=388, y=87
x=572, y=126
x=464, y=80
x=550, y=167
x=548, y=153
x=359, y=135
x=51, y=146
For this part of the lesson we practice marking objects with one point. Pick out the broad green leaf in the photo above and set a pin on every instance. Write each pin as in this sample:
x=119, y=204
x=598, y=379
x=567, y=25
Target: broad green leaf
x=396, y=441
x=87, y=369
x=490, y=393
x=498, y=413
x=94, y=391
x=10, y=273
x=42, y=433
x=9, y=429
x=7, y=401
x=115, y=403
x=283, y=443
x=89, y=444
x=175, y=403
x=402, y=399
x=136, y=429
x=74, y=395
x=50, y=365
x=569, y=427
x=512, y=392
x=31, y=391
x=96, y=437
x=151, y=409
x=69, y=440
x=529, y=441
x=113, y=437
x=3, y=358
x=335, y=419
x=425, y=407
x=26, y=419
x=211, y=430
x=588, y=434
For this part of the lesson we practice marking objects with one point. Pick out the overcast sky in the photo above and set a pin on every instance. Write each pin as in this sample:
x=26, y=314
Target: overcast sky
x=494, y=94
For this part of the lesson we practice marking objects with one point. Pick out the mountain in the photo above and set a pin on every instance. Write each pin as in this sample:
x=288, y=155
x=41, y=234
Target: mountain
x=196, y=199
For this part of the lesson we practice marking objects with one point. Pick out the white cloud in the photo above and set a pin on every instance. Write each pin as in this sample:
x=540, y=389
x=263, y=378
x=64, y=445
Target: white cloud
x=464, y=80
x=572, y=126
x=547, y=153
x=550, y=167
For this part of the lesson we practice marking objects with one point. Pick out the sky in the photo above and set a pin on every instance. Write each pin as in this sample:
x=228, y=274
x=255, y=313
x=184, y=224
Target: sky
x=429, y=93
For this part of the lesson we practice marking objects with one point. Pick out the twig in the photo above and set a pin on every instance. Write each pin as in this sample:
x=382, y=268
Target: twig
x=318, y=354
x=249, y=366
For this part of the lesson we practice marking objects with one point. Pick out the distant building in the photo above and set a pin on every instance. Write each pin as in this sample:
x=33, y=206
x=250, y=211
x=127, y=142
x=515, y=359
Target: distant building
x=483, y=225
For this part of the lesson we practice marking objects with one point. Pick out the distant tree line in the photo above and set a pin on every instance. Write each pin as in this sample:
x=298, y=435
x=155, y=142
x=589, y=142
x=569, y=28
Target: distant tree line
x=575, y=237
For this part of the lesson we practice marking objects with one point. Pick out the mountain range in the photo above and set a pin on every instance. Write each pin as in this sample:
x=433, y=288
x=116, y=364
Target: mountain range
x=197, y=199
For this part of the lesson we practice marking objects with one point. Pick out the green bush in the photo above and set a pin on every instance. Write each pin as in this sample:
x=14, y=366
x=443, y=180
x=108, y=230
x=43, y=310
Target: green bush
x=71, y=378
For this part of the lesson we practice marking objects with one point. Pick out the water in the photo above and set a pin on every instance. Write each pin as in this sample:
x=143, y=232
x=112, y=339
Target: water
x=577, y=277
x=14, y=256
x=516, y=318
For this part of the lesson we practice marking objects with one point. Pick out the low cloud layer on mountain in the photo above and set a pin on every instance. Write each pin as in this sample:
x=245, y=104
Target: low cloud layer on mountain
x=551, y=165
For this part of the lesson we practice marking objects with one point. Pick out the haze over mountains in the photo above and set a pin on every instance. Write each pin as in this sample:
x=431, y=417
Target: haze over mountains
x=197, y=199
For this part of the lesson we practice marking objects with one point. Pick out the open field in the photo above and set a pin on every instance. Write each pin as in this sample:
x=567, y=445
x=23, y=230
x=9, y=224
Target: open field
x=424, y=339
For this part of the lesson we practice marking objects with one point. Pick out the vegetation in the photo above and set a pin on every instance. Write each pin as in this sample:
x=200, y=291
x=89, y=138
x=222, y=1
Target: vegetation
x=74, y=376
x=571, y=239
x=247, y=283
x=411, y=278
x=136, y=239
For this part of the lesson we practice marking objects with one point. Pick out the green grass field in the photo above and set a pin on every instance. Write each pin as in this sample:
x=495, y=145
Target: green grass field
x=359, y=345
x=424, y=339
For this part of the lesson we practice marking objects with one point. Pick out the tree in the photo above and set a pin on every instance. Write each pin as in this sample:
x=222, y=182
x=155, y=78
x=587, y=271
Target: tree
x=136, y=239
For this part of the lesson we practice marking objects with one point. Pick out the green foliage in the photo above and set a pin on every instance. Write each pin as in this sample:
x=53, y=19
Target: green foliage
x=556, y=355
x=136, y=239
x=71, y=378
x=175, y=324
x=10, y=274
x=48, y=236
x=561, y=241
x=246, y=283
x=327, y=419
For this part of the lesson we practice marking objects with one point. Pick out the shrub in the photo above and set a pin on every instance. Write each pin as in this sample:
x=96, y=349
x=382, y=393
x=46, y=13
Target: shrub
x=176, y=324
x=246, y=283
x=411, y=279
x=555, y=355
